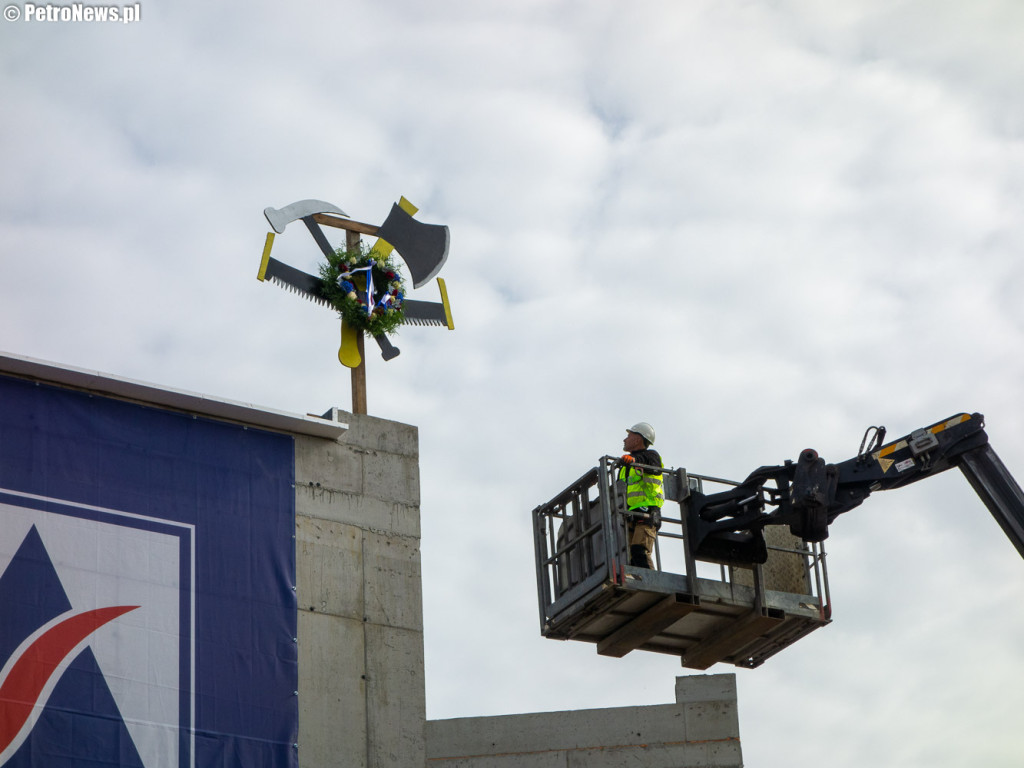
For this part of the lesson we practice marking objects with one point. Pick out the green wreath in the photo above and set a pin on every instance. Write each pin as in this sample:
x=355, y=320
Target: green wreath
x=344, y=281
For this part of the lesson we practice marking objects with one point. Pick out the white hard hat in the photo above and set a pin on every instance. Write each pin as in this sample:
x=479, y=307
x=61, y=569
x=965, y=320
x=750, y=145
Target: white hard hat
x=645, y=430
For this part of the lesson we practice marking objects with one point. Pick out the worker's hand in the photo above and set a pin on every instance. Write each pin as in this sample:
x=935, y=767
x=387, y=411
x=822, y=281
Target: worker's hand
x=628, y=459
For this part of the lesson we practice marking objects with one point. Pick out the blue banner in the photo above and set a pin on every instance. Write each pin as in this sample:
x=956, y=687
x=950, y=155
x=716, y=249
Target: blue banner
x=147, y=570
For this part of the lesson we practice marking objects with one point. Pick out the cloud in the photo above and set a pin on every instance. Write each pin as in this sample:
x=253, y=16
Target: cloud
x=758, y=227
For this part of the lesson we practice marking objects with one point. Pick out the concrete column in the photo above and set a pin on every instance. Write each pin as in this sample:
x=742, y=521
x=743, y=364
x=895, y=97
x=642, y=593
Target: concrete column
x=361, y=680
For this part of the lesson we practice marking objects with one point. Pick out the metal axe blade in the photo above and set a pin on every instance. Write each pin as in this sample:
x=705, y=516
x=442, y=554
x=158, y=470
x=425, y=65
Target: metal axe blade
x=423, y=247
x=280, y=218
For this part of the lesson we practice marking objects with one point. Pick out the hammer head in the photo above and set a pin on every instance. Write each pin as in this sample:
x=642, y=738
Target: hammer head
x=423, y=247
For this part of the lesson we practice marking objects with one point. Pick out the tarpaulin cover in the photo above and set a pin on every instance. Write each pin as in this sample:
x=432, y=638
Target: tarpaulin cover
x=147, y=571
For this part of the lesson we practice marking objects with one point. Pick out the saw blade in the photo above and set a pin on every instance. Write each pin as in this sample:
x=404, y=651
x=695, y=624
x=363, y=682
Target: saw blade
x=423, y=313
x=430, y=312
x=294, y=280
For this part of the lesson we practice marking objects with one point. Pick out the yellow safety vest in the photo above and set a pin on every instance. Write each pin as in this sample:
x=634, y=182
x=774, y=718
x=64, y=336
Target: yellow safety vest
x=643, y=488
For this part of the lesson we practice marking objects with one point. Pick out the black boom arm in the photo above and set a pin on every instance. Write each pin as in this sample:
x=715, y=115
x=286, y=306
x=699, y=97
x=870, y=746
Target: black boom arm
x=807, y=495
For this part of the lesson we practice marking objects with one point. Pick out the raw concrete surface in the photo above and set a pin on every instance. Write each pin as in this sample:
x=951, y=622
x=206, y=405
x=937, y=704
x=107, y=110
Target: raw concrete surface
x=700, y=729
x=362, y=700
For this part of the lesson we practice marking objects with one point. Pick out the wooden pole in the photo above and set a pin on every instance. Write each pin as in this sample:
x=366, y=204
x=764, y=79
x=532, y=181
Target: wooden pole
x=359, y=372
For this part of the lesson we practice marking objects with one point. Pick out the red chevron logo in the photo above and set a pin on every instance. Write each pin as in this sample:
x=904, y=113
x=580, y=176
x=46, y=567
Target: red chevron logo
x=21, y=689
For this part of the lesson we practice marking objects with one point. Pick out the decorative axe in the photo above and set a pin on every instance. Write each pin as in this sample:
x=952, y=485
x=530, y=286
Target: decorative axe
x=422, y=243
x=423, y=247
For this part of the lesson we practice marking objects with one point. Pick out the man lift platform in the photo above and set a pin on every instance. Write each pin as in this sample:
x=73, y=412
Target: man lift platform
x=731, y=584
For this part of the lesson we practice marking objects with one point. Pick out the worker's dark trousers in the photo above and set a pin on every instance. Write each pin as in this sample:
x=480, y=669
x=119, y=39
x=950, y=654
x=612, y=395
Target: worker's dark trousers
x=638, y=556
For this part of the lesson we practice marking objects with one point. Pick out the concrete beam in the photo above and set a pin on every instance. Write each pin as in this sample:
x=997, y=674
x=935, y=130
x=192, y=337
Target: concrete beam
x=694, y=732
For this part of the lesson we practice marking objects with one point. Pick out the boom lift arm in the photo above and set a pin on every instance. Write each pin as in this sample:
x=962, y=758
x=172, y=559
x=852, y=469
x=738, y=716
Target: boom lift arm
x=807, y=495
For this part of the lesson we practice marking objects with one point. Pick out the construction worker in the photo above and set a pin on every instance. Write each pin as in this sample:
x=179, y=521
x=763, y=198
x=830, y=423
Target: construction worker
x=645, y=492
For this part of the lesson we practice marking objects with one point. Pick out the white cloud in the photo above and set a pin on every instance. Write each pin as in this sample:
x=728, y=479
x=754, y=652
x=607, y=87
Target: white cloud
x=809, y=214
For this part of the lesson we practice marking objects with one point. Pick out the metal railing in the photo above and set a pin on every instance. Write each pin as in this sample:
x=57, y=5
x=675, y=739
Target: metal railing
x=580, y=539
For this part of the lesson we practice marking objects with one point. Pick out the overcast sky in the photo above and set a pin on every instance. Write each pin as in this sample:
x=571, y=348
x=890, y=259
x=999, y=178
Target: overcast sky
x=758, y=226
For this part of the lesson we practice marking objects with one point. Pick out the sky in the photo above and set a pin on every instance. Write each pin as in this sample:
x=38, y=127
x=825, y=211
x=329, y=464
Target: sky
x=757, y=226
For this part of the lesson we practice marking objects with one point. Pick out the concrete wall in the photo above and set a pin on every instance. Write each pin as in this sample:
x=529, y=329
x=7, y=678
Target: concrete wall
x=700, y=729
x=361, y=679
x=361, y=676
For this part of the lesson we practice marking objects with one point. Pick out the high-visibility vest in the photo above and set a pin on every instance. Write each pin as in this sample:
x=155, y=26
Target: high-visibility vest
x=643, y=487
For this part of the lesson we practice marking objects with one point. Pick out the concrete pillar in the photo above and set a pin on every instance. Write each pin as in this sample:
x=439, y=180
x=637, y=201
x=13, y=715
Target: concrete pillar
x=361, y=680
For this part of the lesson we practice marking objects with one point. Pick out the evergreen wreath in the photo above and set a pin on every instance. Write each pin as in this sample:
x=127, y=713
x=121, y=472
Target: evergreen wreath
x=343, y=283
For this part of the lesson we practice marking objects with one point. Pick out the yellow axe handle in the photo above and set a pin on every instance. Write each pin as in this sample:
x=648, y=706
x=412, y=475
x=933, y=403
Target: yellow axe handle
x=348, y=352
